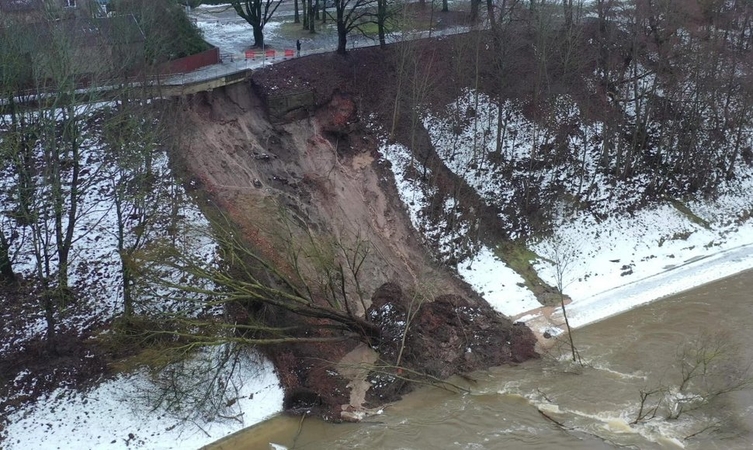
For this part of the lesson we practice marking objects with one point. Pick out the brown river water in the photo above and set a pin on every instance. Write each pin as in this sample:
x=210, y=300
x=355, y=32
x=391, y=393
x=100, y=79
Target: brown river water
x=593, y=404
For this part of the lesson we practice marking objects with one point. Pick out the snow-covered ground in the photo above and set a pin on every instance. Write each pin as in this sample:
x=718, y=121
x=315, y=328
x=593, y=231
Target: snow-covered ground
x=610, y=265
x=626, y=261
x=223, y=28
x=116, y=415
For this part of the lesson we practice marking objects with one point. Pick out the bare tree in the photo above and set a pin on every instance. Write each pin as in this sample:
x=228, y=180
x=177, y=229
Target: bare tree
x=257, y=13
x=382, y=15
x=47, y=147
x=563, y=255
x=313, y=14
x=305, y=11
x=349, y=16
x=705, y=369
x=57, y=169
x=132, y=134
x=7, y=275
x=13, y=148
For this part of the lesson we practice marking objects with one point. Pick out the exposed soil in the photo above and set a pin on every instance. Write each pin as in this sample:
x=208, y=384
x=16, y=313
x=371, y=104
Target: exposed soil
x=320, y=165
x=317, y=171
x=433, y=340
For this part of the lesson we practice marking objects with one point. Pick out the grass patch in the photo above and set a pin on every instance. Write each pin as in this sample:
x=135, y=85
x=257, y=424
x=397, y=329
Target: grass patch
x=519, y=258
x=369, y=29
x=410, y=22
x=292, y=30
x=679, y=236
x=680, y=206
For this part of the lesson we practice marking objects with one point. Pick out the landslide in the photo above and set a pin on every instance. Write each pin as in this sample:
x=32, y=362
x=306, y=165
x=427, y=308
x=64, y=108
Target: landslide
x=314, y=175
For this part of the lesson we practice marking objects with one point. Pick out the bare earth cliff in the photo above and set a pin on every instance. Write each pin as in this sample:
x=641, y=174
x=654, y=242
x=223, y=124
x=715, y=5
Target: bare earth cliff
x=312, y=173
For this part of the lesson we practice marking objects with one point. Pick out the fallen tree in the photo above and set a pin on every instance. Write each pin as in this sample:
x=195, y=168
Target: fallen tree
x=304, y=316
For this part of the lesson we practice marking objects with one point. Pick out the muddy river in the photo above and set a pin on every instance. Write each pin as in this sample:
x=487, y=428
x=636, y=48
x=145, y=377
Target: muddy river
x=587, y=407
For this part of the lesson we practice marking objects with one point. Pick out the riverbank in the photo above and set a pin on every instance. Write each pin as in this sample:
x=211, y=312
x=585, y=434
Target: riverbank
x=611, y=247
x=617, y=264
x=627, y=261
x=118, y=414
x=656, y=253
x=607, y=262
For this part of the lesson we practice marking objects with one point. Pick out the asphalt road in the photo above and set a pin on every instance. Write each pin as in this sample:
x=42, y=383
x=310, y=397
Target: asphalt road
x=233, y=35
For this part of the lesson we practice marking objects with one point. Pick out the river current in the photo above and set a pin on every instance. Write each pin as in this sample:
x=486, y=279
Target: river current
x=553, y=403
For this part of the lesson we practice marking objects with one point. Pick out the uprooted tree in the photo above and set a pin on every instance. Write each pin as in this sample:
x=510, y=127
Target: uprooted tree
x=223, y=300
x=705, y=370
x=310, y=306
x=237, y=289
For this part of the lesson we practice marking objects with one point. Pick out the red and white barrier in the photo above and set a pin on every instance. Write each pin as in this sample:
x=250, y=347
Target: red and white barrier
x=255, y=55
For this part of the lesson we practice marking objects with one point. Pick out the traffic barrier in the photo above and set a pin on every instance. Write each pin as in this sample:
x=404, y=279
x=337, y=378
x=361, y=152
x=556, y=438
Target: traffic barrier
x=192, y=62
x=268, y=54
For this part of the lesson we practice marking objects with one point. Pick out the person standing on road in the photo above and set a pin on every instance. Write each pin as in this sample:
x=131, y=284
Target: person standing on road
x=298, y=47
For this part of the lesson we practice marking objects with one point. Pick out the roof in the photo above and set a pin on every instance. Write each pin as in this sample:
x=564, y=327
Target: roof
x=123, y=29
x=85, y=32
x=20, y=5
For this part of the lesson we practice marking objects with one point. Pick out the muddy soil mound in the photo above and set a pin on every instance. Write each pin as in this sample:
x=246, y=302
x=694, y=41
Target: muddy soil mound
x=440, y=338
x=423, y=341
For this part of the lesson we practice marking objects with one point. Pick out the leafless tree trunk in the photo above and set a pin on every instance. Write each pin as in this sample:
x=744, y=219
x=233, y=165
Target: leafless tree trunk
x=349, y=15
x=563, y=255
x=257, y=13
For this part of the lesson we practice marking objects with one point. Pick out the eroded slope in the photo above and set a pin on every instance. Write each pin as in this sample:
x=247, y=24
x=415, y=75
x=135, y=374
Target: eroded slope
x=313, y=185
